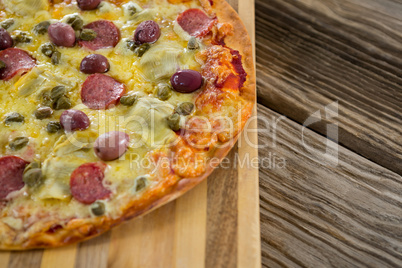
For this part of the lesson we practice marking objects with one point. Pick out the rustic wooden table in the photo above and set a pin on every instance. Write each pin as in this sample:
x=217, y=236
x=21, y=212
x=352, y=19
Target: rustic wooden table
x=330, y=69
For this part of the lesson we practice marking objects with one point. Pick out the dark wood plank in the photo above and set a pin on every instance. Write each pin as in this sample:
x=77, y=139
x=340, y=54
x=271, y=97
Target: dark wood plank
x=221, y=245
x=311, y=53
x=319, y=211
x=29, y=259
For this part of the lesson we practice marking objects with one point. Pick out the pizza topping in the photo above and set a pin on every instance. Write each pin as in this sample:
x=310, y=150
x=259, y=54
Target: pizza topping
x=72, y=120
x=32, y=177
x=5, y=39
x=18, y=143
x=195, y=22
x=94, y=63
x=61, y=34
x=173, y=121
x=62, y=103
x=164, y=91
x=11, y=170
x=147, y=32
x=48, y=49
x=193, y=43
x=88, y=4
x=128, y=100
x=185, y=108
x=98, y=208
x=88, y=35
x=53, y=127
x=55, y=59
x=140, y=183
x=17, y=62
x=111, y=145
x=14, y=118
x=22, y=37
x=100, y=91
x=186, y=81
x=7, y=23
x=75, y=21
x=57, y=92
x=41, y=27
x=86, y=183
x=43, y=112
x=108, y=35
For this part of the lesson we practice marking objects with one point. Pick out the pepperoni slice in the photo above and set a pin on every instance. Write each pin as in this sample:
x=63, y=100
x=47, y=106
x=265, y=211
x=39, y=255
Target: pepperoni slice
x=17, y=61
x=195, y=22
x=11, y=170
x=108, y=35
x=86, y=183
x=100, y=91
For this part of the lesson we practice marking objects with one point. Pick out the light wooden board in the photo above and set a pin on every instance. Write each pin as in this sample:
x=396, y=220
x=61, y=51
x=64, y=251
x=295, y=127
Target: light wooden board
x=214, y=225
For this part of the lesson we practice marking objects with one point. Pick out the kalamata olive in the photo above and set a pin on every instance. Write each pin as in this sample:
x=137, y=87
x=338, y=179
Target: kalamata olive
x=147, y=32
x=111, y=145
x=94, y=63
x=88, y=4
x=5, y=39
x=72, y=120
x=61, y=34
x=186, y=81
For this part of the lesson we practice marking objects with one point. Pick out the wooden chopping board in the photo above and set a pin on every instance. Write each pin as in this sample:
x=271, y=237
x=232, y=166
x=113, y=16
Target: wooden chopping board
x=214, y=225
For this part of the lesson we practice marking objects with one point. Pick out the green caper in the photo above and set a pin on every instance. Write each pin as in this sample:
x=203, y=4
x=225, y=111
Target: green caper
x=56, y=57
x=62, y=103
x=7, y=23
x=185, y=108
x=132, y=45
x=98, y=208
x=14, y=117
x=139, y=51
x=57, y=92
x=193, y=43
x=76, y=22
x=53, y=127
x=32, y=177
x=131, y=10
x=88, y=35
x=46, y=100
x=22, y=37
x=164, y=91
x=173, y=121
x=48, y=49
x=43, y=112
x=18, y=143
x=32, y=165
x=41, y=27
x=140, y=183
x=128, y=100
x=2, y=64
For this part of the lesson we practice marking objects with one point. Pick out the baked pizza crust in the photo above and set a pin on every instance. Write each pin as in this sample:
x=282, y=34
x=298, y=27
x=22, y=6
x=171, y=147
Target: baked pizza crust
x=78, y=230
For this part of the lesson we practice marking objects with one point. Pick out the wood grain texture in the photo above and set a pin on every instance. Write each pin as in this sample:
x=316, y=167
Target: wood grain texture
x=311, y=53
x=319, y=214
x=31, y=258
x=63, y=257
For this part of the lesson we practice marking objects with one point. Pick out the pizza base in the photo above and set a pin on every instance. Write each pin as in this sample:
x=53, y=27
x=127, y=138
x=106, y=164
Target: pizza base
x=78, y=230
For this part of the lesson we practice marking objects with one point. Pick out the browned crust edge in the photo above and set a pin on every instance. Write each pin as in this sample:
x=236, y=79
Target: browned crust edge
x=240, y=41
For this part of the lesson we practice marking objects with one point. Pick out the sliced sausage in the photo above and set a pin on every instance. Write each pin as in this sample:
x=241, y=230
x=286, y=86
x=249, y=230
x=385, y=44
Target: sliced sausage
x=17, y=61
x=108, y=35
x=11, y=171
x=147, y=32
x=100, y=91
x=195, y=22
x=86, y=183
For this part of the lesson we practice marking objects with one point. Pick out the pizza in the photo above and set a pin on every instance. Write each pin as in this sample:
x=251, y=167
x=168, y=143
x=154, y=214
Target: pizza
x=110, y=109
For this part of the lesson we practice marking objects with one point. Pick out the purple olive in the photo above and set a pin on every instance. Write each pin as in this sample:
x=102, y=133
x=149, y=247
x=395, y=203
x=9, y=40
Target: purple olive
x=94, y=63
x=72, y=120
x=88, y=4
x=5, y=39
x=147, y=32
x=186, y=81
x=111, y=145
x=61, y=34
